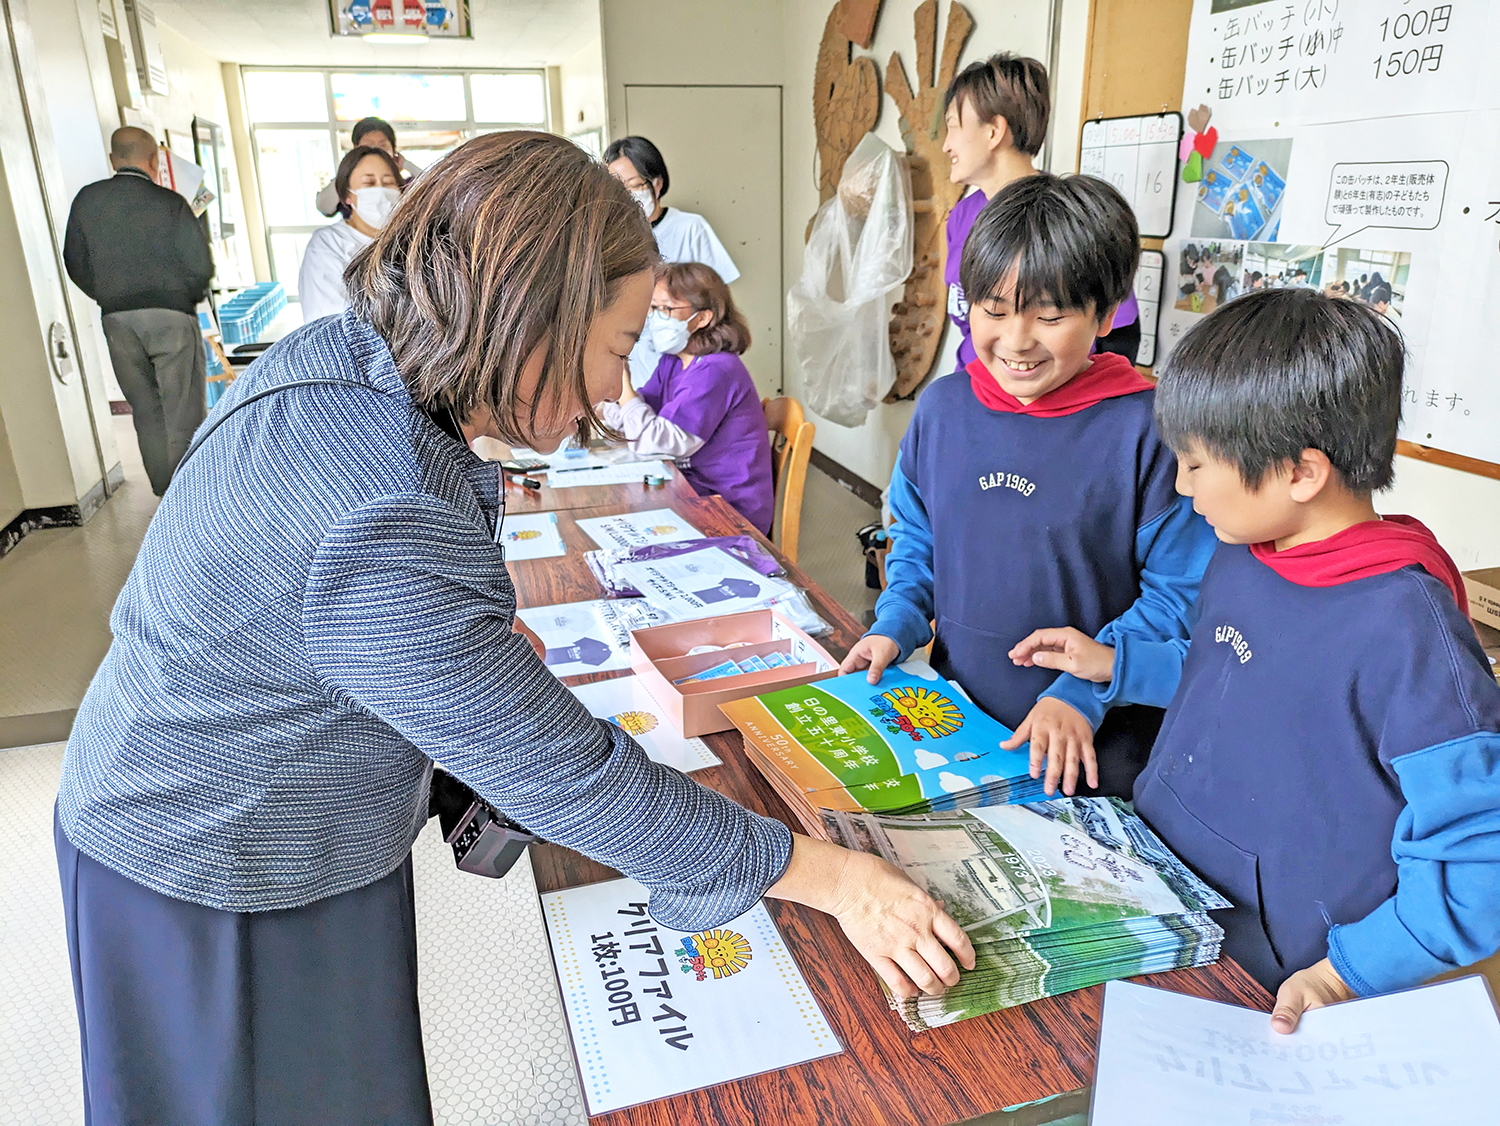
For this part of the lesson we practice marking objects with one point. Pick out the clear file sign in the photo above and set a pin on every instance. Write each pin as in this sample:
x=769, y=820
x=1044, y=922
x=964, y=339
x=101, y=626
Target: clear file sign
x=1359, y=154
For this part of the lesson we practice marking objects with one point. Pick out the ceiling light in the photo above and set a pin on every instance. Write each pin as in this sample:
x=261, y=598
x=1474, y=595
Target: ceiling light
x=394, y=37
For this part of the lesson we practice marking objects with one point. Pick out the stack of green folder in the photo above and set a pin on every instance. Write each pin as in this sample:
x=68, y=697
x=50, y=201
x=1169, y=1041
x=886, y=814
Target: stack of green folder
x=1055, y=896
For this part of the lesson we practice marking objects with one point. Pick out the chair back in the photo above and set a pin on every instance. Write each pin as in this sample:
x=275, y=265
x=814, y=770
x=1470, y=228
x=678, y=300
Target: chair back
x=791, y=447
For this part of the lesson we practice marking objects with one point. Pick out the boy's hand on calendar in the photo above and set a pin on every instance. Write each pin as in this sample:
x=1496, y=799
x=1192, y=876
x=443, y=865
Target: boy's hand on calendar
x=1062, y=738
x=873, y=651
x=1067, y=650
x=1312, y=988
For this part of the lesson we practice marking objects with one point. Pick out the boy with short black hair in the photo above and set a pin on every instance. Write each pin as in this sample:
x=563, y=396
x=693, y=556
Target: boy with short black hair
x=1032, y=488
x=995, y=115
x=1331, y=757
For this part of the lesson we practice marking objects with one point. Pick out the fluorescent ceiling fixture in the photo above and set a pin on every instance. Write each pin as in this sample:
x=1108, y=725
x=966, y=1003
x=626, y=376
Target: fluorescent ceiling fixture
x=396, y=37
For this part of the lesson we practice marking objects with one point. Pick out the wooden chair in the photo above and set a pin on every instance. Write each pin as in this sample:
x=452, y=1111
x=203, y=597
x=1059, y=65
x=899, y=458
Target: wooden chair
x=791, y=446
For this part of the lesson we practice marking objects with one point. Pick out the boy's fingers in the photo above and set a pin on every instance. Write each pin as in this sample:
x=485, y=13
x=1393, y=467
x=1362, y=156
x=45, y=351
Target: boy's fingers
x=1290, y=1005
x=1057, y=755
x=1053, y=659
x=1070, y=769
x=1022, y=734
x=1091, y=765
x=1038, y=752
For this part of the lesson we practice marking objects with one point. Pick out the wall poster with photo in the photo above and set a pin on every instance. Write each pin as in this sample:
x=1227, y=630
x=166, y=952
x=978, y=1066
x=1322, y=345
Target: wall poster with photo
x=1358, y=152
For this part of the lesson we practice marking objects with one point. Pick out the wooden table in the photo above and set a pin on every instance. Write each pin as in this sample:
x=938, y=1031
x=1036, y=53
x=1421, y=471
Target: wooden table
x=886, y=1074
x=627, y=498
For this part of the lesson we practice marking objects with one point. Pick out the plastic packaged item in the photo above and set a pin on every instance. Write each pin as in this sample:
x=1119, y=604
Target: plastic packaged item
x=605, y=563
x=837, y=314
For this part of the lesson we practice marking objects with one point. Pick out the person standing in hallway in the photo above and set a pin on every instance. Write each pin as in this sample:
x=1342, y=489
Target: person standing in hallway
x=375, y=133
x=136, y=248
x=681, y=236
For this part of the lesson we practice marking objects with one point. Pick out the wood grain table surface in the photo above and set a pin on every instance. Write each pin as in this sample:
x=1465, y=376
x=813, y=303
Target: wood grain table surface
x=886, y=1074
x=626, y=498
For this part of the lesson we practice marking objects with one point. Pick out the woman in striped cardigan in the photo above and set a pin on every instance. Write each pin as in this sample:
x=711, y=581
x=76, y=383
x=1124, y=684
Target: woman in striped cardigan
x=320, y=613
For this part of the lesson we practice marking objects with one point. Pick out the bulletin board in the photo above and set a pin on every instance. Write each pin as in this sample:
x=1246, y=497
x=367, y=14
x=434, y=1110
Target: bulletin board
x=1138, y=155
x=1376, y=122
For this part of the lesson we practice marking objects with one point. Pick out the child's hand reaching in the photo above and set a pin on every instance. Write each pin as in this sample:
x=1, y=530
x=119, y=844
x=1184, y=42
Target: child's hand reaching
x=1061, y=736
x=1067, y=650
x=1312, y=988
x=873, y=651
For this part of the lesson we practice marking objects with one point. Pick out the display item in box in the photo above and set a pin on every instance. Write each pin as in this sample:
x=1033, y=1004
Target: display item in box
x=662, y=656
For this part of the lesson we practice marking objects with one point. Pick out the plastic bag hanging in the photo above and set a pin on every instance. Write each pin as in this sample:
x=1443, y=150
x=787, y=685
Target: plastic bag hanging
x=838, y=312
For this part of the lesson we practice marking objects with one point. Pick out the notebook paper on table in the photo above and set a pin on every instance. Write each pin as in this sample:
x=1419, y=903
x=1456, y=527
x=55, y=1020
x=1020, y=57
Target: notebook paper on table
x=625, y=702
x=655, y=1012
x=533, y=535
x=632, y=473
x=585, y=637
x=1427, y=1055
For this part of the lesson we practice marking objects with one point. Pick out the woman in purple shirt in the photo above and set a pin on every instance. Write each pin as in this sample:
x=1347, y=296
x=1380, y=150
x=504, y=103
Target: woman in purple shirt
x=996, y=115
x=700, y=405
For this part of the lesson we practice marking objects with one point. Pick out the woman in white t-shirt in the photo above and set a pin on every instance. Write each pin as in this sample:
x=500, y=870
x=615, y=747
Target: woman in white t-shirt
x=369, y=187
x=681, y=236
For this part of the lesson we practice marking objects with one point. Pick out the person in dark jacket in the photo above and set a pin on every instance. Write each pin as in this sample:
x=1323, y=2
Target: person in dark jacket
x=136, y=248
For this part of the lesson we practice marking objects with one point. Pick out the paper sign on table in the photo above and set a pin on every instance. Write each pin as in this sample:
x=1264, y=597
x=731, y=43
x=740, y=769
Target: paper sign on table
x=703, y=582
x=655, y=1012
x=637, y=529
x=633, y=473
x=584, y=637
x=626, y=703
x=532, y=536
x=1425, y=1055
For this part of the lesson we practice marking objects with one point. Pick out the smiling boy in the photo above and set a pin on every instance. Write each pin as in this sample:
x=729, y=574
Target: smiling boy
x=1032, y=488
x=1331, y=757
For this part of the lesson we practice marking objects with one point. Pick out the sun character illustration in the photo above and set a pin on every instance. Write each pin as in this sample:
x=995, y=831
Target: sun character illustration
x=929, y=712
x=524, y=534
x=662, y=529
x=635, y=723
x=722, y=952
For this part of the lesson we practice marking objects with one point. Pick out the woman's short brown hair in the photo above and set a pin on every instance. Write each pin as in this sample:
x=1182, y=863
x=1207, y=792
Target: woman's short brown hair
x=512, y=243
x=700, y=286
x=1011, y=87
x=351, y=162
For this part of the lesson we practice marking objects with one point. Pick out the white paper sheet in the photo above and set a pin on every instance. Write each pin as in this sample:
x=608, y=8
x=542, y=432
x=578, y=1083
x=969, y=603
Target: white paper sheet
x=632, y=473
x=637, y=529
x=625, y=702
x=1424, y=1056
x=701, y=583
x=561, y=460
x=654, y=1012
x=584, y=637
x=533, y=535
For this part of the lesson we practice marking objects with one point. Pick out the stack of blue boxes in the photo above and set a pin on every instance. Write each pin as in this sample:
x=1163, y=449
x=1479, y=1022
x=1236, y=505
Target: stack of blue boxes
x=241, y=321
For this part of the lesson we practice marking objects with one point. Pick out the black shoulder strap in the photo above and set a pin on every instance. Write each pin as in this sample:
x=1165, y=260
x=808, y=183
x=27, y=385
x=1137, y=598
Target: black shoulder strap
x=223, y=418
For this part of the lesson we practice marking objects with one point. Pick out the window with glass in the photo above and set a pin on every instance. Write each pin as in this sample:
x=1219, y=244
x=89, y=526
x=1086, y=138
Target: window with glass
x=300, y=122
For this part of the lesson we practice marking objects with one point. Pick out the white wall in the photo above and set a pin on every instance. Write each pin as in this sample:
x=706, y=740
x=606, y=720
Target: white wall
x=582, y=76
x=1462, y=509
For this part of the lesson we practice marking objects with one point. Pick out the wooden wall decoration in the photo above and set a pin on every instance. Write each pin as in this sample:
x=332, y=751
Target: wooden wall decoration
x=846, y=92
x=918, y=318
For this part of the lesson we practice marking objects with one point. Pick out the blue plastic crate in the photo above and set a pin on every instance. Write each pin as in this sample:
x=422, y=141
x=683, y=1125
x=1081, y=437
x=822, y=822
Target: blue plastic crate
x=245, y=316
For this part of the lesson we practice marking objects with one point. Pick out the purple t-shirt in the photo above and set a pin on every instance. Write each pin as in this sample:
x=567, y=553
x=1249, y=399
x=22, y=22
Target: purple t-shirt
x=960, y=220
x=713, y=398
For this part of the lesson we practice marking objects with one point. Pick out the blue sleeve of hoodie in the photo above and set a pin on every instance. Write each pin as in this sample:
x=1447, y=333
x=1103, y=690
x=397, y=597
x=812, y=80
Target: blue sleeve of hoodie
x=904, y=610
x=1151, y=638
x=1446, y=910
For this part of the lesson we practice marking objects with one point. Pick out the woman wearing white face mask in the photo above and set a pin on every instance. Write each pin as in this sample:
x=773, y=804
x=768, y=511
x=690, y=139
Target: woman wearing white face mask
x=369, y=187
x=681, y=236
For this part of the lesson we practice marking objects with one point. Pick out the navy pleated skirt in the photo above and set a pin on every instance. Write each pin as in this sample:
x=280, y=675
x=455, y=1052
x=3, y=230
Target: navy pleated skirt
x=191, y=1016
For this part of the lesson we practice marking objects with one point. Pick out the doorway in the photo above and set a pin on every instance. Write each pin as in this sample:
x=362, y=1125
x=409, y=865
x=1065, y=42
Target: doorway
x=722, y=145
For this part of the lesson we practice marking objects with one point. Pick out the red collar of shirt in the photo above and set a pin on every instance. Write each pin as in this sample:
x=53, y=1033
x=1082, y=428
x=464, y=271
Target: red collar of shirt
x=1108, y=377
x=1375, y=547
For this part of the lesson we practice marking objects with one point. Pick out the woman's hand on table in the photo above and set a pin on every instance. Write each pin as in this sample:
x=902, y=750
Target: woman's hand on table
x=898, y=928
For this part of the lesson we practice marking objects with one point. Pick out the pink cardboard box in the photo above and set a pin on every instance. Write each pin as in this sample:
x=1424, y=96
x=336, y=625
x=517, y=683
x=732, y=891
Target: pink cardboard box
x=659, y=656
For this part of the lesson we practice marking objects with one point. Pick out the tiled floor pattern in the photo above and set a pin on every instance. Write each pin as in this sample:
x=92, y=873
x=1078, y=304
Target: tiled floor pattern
x=497, y=1044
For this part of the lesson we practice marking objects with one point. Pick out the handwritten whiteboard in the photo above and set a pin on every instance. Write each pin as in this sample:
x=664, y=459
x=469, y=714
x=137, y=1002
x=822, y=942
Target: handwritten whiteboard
x=1138, y=155
x=1149, y=278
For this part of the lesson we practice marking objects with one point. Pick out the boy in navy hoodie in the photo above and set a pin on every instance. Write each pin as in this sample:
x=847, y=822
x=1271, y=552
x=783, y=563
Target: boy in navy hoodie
x=1331, y=757
x=1032, y=488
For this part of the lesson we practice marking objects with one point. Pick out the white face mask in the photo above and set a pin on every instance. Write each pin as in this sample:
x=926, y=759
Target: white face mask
x=374, y=205
x=668, y=335
x=646, y=198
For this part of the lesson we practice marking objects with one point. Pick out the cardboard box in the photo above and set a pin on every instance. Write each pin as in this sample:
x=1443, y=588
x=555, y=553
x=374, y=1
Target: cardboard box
x=659, y=656
x=1483, y=589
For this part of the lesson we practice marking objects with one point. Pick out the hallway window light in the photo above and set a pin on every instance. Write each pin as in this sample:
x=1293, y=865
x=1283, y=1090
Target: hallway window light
x=516, y=98
x=286, y=95
x=399, y=97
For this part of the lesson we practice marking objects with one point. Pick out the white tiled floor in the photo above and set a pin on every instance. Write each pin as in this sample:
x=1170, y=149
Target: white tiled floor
x=492, y=1020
